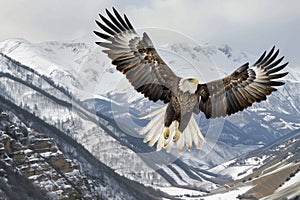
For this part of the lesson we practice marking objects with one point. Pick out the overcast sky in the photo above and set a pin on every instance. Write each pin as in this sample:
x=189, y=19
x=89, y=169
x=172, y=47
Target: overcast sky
x=251, y=26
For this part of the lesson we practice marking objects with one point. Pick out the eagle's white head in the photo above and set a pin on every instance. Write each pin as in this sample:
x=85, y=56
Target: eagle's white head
x=188, y=85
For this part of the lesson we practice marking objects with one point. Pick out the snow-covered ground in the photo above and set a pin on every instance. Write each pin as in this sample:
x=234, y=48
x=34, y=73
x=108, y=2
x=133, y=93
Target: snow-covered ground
x=87, y=73
x=187, y=194
x=241, y=170
x=181, y=192
x=232, y=194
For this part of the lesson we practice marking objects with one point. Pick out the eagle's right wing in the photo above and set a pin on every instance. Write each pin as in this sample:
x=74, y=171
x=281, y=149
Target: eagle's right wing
x=242, y=88
x=137, y=58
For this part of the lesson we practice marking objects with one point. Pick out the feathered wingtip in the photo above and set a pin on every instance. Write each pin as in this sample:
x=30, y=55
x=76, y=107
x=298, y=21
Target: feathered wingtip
x=269, y=63
x=112, y=25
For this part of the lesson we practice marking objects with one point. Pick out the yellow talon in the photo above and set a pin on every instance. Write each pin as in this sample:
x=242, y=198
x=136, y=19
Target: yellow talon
x=176, y=136
x=166, y=133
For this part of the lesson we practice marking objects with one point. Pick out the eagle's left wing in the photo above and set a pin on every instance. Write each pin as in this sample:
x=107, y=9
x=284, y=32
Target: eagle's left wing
x=242, y=88
x=137, y=58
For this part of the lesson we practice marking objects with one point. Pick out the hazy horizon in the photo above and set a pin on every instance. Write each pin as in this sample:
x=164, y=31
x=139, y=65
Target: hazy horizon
x=250, y=26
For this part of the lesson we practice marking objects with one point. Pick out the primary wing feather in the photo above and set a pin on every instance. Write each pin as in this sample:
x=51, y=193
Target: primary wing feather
x=136, y=57
x=242, y=88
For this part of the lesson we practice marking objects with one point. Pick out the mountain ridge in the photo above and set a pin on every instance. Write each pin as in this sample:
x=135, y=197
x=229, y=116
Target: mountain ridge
x=77, y=84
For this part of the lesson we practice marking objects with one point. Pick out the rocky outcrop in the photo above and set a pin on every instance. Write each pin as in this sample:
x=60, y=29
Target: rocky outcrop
x=37, y=157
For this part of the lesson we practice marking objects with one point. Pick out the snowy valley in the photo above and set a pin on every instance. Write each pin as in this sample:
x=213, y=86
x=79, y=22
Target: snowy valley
x=72, y=87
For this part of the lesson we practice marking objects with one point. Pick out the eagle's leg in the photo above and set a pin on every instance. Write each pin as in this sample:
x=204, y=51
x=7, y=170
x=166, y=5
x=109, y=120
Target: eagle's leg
x=168, y=120
x=176, y=136
x=177, y=132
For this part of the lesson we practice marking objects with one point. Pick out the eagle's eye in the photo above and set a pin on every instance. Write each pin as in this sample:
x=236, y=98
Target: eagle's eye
x=193, y=80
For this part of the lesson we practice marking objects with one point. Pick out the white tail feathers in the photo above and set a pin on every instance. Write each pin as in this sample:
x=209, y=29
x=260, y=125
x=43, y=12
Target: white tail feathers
x=156, y=132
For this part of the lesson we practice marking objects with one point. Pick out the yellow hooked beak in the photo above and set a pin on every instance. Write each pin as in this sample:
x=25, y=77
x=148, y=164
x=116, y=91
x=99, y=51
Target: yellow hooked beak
x=193, y=80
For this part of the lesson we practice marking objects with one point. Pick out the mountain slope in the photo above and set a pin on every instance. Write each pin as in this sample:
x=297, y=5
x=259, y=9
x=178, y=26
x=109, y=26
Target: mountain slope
x=54, y=104
x=104, y=181
x=272, y=171
x=49, y=103
x=72, y=87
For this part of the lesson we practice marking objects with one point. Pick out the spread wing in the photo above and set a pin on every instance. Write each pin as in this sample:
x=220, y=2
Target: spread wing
x=242, y=88
x=136, y=57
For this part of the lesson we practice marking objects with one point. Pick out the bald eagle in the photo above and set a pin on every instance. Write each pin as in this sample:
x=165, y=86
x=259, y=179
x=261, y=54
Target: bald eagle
x=136, y=57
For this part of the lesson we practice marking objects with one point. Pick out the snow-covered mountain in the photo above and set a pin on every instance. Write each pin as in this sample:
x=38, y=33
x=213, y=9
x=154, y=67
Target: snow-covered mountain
x=29, y=154
x=73, y=87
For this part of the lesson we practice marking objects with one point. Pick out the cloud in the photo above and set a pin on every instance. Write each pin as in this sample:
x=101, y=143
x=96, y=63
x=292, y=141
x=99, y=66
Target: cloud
x=247, y=25
x=251, y=26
